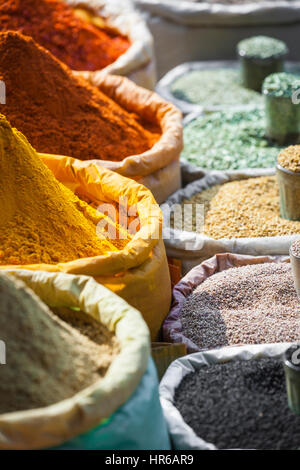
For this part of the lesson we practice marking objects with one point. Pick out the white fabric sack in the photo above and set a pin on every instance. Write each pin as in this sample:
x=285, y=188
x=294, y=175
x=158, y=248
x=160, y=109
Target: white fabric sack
x=195, y=30
x=192, y=248
x=138, y=62
x=182, y=435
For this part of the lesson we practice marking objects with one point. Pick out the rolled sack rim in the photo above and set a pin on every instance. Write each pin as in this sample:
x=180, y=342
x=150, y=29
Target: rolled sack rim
x=104, y=182
x=280, y=168
x=151, y=106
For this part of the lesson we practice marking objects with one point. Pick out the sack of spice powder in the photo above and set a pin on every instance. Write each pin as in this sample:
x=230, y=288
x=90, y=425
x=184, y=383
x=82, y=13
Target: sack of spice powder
x=229, y=398
x=118, y=124
x=96, y=223
x=233, y=299
x=124, y=397
x=235, y=211
x=88, y=35
x=158, y=168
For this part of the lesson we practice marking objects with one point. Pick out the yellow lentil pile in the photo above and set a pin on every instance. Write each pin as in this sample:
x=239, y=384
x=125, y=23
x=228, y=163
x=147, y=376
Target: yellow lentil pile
x=41, y=221
x=244, y=208
x=289, y=158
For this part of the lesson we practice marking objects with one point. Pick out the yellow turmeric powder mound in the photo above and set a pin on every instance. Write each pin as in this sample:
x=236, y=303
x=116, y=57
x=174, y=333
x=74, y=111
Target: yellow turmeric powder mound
x=41, y=221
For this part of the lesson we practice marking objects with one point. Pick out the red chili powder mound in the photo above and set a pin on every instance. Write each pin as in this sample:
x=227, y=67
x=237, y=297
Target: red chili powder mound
x=63, y=114
x=54, y=25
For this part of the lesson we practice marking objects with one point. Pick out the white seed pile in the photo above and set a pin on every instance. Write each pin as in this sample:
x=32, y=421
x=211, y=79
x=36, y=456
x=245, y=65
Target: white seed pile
x=251, y=304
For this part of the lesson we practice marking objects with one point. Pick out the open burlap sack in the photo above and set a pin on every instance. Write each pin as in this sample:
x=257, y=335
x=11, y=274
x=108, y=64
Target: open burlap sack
x=119, y=395
x=138, y=62
x=158, y=168
x=172, y=327
x=182, y=435
x=192, y=248
x=139, y=272
x=210, y=31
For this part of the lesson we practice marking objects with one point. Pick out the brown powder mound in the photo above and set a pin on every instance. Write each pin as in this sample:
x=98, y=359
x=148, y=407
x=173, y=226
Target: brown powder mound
x=63, y=114
x=46, y=360
x=41, y=221
x=55, y=25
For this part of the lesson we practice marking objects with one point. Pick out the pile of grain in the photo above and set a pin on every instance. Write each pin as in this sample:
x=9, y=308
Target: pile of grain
x=244, y=208
x=252, y=304
x=46, y=360
x=262, y=47
x=239, y=405
x=289, y=158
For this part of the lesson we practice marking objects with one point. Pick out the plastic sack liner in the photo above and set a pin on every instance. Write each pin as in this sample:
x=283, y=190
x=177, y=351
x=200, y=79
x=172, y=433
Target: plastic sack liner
x=172, y=327
x=139, y=272
x=139, y=424
x=138, y=62
x=182, y=435
x=193, y=248
x=210, y=31
x=163, y=87
x=45, y=427
x=158, y=168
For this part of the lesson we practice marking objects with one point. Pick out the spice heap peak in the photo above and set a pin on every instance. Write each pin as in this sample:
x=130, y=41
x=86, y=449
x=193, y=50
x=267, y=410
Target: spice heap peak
x=62, y=114
x=41, y=221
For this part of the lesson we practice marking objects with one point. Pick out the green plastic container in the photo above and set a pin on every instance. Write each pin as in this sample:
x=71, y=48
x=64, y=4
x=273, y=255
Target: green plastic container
x=282, y=108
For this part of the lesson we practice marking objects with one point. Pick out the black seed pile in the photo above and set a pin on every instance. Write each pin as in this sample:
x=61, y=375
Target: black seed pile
x=252, y=304
x=240, y=405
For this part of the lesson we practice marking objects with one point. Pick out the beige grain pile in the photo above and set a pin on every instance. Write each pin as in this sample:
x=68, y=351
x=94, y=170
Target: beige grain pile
x=289, y=158
x=244, y=208
x=46, y=359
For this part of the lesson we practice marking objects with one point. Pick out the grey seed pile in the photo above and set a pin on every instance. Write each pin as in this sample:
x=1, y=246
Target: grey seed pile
x=296, y=248
x=240, y=404
x=252, y=304
x=262, y=47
